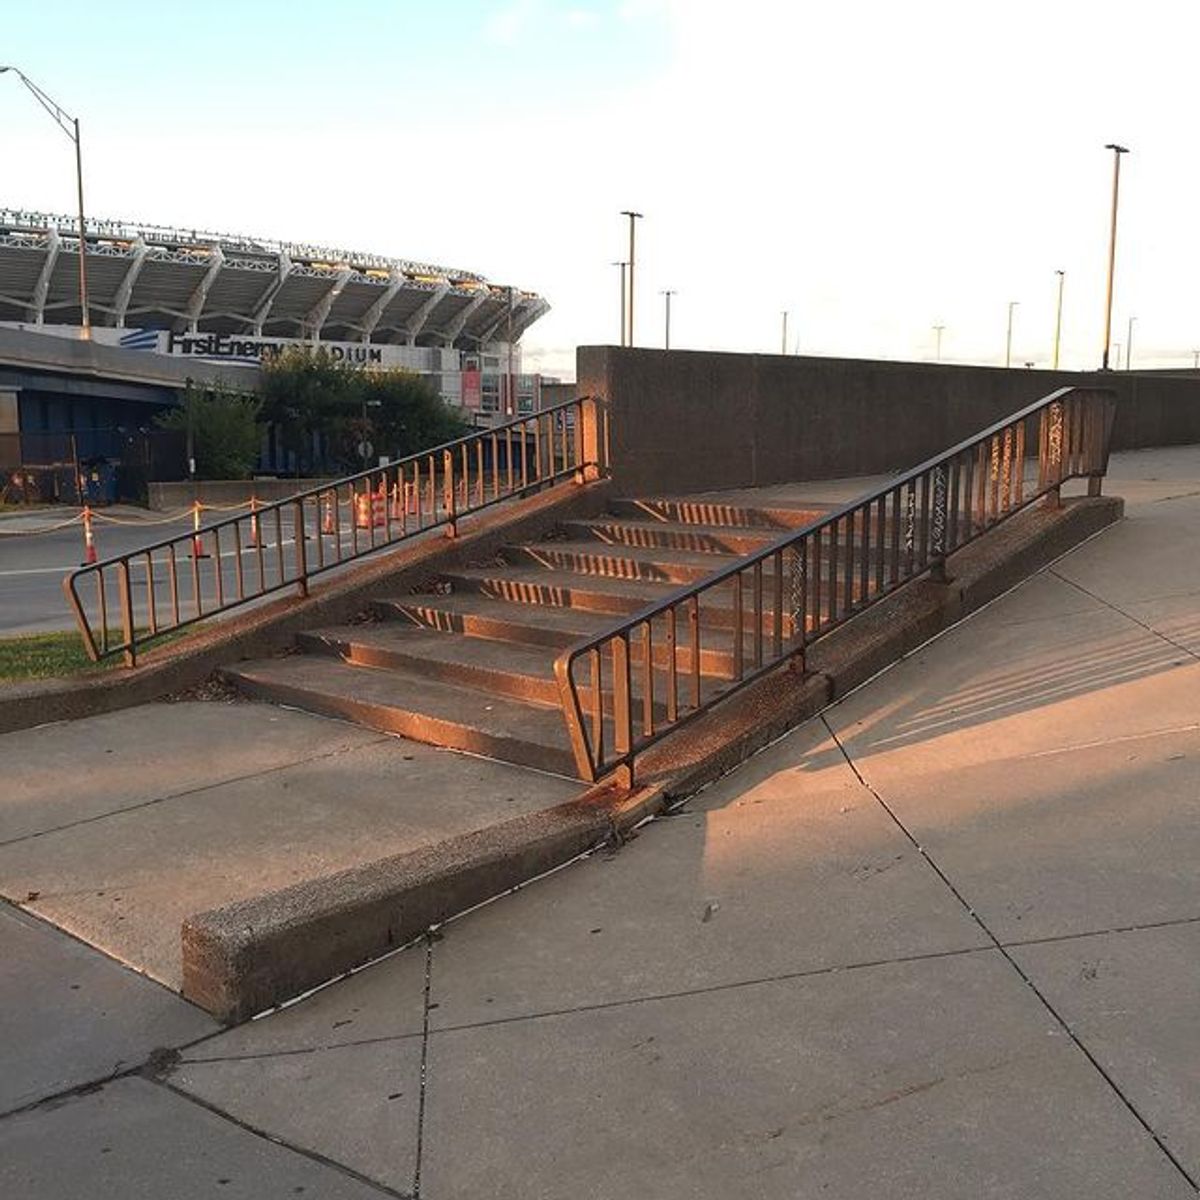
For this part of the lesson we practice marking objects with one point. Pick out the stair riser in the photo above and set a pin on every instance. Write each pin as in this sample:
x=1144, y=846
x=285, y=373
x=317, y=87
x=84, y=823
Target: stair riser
x=698, y=512
x=607, y=564
x=477, y=625
x=416, y=726
x=731, y=542
x=485, y=679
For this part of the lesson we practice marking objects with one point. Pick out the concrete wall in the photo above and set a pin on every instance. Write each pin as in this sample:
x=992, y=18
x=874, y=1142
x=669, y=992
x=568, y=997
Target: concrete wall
x=688, y=421
x=168, y=497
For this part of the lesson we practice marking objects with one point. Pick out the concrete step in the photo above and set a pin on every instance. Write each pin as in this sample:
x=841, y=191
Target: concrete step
x=671, y=535
x=715, y=512
x=589, y=593
x=414, y=706
x=556, y=629
x=619, y=562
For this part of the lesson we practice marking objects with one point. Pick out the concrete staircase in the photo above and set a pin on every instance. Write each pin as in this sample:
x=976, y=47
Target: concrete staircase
x=469, y=664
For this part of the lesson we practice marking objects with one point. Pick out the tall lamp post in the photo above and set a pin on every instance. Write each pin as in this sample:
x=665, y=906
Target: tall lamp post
x=634, y=217
x=1129, y=344
x=511, y=403
x=783, y=340
x=937, y=353
x=70, y=126
x=667, y=332
x=1062, y=276
x=1112, y=247
x=1008, y=339
x=622, y=265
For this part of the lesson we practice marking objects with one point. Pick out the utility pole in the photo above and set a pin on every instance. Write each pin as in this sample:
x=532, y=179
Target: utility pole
x=70, y=126
x=1112, y=247
x=667, y=333
x=622, y=265
x=1008, y=341
x=1062, y=275
x=634, y=217
x=937, y=354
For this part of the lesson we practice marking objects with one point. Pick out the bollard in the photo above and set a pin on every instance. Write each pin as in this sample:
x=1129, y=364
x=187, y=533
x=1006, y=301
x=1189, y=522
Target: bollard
x=89, y=541
x=198, y=550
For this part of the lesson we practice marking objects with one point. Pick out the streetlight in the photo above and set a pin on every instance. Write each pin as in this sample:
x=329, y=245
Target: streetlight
x=70, y=126
x=1062, y=277
x=633, y=218
x=1112, y=247
x=1117, y=355
x=937, y=354
x=1008, y=341
x=1129, y=343
x=510, y=404
x=783, y=339
x=1195, y=360
x=622, y=265
x=667, y=334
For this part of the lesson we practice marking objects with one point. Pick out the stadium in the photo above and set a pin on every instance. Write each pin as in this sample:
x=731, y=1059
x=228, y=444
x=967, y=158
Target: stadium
x=192, y=300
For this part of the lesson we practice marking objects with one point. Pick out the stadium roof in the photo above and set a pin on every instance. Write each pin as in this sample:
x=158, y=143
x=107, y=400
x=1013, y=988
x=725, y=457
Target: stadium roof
x=198, y=281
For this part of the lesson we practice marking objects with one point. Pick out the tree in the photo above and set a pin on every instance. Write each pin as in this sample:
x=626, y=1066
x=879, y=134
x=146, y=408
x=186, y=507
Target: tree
x=224, y=429
x=326, y=410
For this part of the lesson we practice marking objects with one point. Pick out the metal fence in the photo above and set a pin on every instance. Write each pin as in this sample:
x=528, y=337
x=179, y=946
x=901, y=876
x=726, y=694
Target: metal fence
x=628, y=687
x=275, y=546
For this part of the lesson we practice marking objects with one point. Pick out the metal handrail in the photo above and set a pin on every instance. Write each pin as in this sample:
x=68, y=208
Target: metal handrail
x=175, y=582
x=833, y=568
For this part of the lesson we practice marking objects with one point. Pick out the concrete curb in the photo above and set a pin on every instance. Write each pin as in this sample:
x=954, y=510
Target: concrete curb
x=272, y=627
x=246, y=957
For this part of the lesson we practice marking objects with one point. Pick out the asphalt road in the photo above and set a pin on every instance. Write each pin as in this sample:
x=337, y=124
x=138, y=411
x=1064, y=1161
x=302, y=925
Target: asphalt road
x=32, y=568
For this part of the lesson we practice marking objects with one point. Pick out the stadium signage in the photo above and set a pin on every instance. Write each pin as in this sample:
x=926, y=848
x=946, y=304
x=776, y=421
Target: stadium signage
x=245, y=348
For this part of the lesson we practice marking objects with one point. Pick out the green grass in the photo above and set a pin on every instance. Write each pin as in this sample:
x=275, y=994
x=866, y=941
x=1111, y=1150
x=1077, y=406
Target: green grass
x=44, y=655
x=51, y=655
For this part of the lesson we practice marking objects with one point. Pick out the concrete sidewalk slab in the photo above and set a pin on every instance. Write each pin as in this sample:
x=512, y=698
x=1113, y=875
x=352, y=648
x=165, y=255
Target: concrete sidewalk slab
x=74, y=771
x=931, y=1080
x=780, y=876
x=136, y=1140
x=1133, y=998
x=373, y=1089
x=68, y=1015
x=126, y=882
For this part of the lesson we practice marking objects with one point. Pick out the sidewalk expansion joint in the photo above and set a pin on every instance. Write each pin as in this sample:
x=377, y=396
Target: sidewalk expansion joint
x=430, y=936
x=313, y=1155
x=192, y=791
x=1001, y=947
x=1129, y=616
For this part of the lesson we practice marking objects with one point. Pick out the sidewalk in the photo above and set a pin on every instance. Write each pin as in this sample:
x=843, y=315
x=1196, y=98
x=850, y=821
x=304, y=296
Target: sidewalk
x=942, y=943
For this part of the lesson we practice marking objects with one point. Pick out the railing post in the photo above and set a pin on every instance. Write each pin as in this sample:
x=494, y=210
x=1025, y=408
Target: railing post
x=301, y=556
x=622, y=708
x=448, y=493
x=126, y=589
x=938, y=519
x=588, y=440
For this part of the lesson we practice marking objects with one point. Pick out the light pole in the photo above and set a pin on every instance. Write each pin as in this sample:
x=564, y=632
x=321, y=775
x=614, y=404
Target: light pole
x=667, y=332
x=622, y=265
x=1129, y=343
x=1062, y=276
x=634, y=217
x=1116, y=356
x=937, y=354
x=1195, y=360
x=511, y=404
x=1112, y=247
x=70, y=126
x=1008, y=340
x=783, y=339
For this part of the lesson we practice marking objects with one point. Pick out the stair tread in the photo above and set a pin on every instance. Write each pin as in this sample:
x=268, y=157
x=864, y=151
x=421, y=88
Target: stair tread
x=514, y=657
x=396, y=688
x=569, y=620
x=651, y=589
x=665, y=555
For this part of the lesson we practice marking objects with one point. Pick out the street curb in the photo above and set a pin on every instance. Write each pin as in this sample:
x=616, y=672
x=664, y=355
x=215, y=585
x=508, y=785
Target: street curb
x=246, y=957
x=272, y=627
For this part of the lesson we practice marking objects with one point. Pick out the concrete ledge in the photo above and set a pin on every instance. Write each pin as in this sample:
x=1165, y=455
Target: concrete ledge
x=272, y=627
x=246, y=957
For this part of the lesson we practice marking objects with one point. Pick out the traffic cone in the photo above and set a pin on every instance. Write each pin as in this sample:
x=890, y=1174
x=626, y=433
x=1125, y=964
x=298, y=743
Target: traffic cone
x=252, y=541
x=198, y=550
x=89, y=541
x=327, y=525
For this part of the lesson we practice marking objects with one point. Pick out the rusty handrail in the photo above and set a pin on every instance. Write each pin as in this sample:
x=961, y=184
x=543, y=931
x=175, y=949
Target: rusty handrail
x=809, y=581
x=175, y=582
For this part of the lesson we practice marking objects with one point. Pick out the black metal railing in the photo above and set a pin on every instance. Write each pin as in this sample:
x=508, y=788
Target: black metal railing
x=671, y=662
x=215, y=567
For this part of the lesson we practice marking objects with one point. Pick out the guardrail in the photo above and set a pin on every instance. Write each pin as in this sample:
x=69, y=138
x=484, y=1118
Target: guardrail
x=219, y=566
x=779, y=600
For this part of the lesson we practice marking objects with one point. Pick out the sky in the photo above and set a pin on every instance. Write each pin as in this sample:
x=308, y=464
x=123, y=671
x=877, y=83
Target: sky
x=872, y=168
